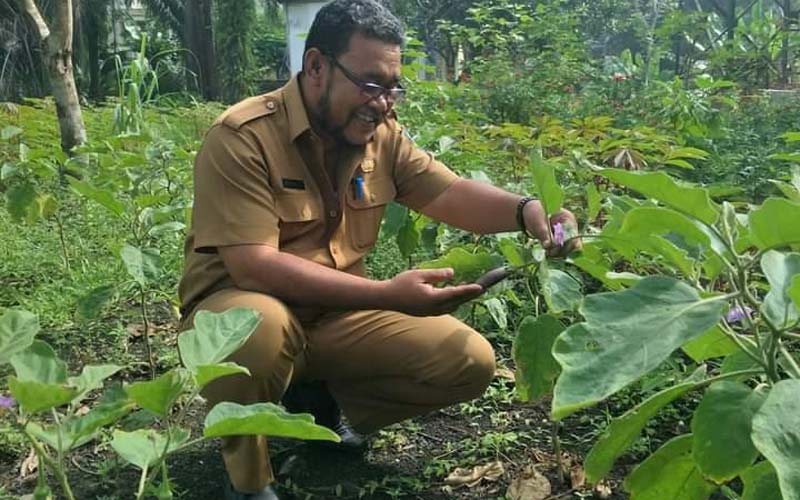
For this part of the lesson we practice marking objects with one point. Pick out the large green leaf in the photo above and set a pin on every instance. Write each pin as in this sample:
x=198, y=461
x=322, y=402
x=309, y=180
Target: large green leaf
x=669, y=474
x=761, y=482
x=91, y=303
x=625, y=335
x=35, y=397
x=776, y=434
x=408, y=237
x=593, y=202
x=105, y=198
x=623, y=431
x=144, y=447
x=83, y=429
x=736, y=362
x=643, y=222
x=92, y=377
x=721, y=428
x=19, y=200
x=143, y=265
x=780, y=269
x=536, y=368
x=394, y=218
x=712, y=344
x=510, y=249
x=39, y=363
x=79, y=430
x=216, y=336
x=17, y=331
x=467, y=266
x=159, y=395
x=265, y=419
x=774, y=224
x=561, y=291
x=208, y=373
x=685, y=198
x=544, y=176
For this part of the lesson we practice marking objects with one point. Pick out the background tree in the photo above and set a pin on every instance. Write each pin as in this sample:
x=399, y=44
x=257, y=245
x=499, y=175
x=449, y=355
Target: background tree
x=57, y=43
x=235, y=21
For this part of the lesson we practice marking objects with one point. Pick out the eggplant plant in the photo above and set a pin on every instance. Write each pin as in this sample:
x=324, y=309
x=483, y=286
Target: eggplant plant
x=717, y=281
x=47, y=407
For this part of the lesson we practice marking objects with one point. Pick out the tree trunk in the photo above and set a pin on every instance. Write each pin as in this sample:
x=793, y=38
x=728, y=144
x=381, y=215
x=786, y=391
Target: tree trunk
x=785, y=63
x=58, y=56
x=199, y=39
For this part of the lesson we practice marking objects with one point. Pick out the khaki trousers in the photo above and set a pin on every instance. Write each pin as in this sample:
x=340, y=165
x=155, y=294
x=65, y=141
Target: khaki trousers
x=380, y=366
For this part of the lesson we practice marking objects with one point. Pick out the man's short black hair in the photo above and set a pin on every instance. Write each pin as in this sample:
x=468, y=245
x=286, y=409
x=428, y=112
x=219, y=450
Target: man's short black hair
x=337, y=21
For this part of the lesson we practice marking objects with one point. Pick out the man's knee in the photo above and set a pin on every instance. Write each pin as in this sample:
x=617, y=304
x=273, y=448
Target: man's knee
x=481, y=365
x=278, y=333
x=466, y=361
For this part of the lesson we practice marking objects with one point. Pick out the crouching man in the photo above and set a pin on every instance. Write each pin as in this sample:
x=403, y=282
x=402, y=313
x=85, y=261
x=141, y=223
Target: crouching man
x=290, y=188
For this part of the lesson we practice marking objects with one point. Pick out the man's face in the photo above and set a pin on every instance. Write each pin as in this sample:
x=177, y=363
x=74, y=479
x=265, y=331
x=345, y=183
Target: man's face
x=344, y=111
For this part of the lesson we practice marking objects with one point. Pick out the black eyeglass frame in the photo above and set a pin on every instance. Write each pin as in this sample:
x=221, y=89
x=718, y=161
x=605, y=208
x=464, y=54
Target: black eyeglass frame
x=371, y=89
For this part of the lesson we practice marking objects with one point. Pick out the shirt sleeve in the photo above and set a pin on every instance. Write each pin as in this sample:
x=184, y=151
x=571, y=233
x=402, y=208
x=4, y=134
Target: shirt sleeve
x=234, y=203
x=419, y=177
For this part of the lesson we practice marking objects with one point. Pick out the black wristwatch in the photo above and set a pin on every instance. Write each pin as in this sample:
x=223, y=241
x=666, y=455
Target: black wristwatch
x=520, y=208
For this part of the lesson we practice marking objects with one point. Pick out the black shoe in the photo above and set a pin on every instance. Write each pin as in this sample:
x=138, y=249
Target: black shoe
x=266, y=494
x=314, y=398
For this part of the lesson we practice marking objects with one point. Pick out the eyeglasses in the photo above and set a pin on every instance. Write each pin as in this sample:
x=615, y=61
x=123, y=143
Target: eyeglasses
x=370, y=89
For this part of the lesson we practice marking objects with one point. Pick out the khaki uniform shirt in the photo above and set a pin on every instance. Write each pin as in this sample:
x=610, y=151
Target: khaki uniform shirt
x=261, y=178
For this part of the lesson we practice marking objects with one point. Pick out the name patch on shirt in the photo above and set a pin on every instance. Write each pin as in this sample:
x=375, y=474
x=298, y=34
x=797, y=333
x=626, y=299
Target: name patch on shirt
x=367, y=165
x=294, y=183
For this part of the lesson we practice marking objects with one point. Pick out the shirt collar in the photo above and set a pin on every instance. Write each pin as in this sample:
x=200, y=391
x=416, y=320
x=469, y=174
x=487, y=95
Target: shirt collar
x=295, y=109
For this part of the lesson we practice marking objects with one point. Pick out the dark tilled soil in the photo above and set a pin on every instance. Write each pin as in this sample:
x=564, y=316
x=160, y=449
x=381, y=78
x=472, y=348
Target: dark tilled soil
x=409, y=460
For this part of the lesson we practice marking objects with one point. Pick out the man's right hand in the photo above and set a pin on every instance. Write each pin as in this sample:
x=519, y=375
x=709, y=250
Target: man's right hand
x=412, y=292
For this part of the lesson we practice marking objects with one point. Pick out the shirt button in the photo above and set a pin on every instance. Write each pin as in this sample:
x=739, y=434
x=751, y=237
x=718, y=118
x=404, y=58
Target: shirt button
x=270, y=105
x=333, y=213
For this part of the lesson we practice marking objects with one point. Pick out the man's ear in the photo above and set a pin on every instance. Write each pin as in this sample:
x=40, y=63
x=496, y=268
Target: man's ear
x=314, y=64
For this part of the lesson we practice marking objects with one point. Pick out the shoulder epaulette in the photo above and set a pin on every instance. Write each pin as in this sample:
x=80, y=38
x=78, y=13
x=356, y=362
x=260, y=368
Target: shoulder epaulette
x=250, y=109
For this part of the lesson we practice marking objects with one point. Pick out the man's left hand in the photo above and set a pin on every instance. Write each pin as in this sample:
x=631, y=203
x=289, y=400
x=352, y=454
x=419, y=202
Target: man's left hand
x=556, y=234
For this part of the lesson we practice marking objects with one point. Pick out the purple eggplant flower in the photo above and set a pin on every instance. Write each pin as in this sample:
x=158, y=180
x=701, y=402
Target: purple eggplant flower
x=7, y=402
x=736, y=314
x=558, y=234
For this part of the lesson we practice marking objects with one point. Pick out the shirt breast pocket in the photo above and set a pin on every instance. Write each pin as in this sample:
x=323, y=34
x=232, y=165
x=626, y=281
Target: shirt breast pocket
x=299, y=214
x=365, y=211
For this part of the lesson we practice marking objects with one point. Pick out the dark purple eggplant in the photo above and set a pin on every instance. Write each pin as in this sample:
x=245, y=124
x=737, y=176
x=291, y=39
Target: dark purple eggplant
x=493, y=277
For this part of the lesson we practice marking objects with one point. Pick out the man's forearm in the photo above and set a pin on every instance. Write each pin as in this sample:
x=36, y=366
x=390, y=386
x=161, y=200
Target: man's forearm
x=299, y=281
x=476, y=207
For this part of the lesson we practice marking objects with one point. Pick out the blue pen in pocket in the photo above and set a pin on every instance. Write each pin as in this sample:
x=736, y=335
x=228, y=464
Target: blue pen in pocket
x=358, y=187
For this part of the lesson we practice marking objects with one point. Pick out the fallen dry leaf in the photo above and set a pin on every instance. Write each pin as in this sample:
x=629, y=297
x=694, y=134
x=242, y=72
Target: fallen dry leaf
x=504, y=373
x=83, y=410
x=29, y=466
x=472, y=477
x=602, y=490
x=530, y=485
x=135, y=330
x=577, y=477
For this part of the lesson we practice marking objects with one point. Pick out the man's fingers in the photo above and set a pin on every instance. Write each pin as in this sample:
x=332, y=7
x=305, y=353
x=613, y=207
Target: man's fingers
x=541, y=232
x=435, y=275
x=458, y=294
x=567, y=231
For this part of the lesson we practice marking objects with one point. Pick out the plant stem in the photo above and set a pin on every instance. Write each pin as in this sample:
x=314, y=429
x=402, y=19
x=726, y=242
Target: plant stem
x=58, y=471
x=787, y=356
x=738, y=341
x=142, y=483
x=740, y=373
x=146, y=322
x=557, y=451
